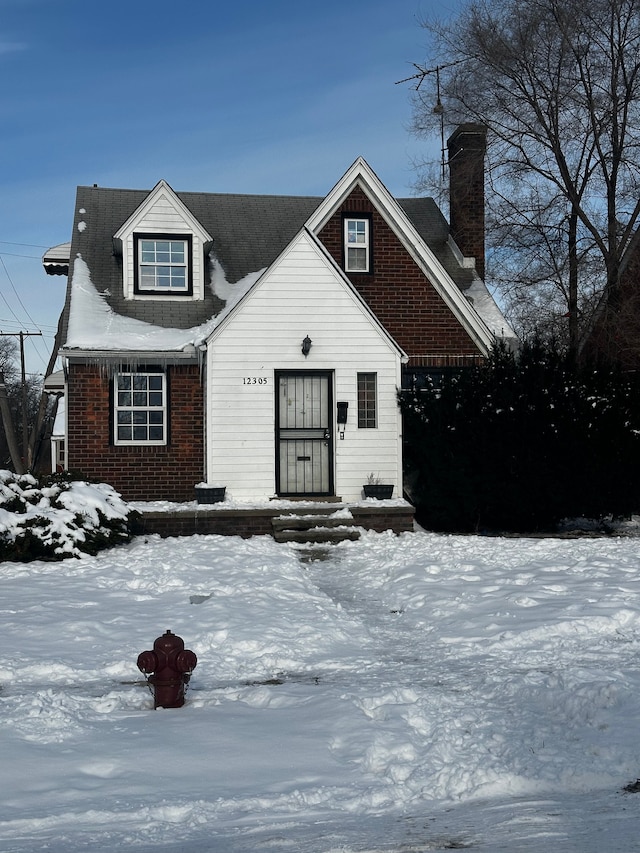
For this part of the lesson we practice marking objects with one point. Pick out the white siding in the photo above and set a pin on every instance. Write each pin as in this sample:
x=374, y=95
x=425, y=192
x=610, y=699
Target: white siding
x=302, y=294
x=162, y=216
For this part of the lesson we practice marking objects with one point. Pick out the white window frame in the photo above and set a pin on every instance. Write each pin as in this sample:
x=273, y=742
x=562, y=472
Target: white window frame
x=146, y=405
x=58, y=454
x=362, y=241
x=166, y=267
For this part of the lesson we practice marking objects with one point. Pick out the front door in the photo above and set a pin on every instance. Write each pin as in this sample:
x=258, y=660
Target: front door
x=304, y=443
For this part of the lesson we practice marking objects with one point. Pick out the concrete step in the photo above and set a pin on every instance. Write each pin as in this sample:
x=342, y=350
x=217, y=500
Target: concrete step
x=306, y=522
x=318, y=535
x=314, y=528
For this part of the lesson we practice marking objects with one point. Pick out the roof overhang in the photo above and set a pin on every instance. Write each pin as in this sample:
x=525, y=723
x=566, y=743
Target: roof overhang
x=54, y=383
x=56, y=259
x=86, y=356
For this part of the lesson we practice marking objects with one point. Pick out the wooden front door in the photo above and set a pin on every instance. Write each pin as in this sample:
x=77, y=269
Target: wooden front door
x=304, y=441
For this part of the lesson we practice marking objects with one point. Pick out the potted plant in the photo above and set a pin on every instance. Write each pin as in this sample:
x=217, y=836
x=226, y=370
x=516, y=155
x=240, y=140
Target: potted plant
x=374, y=488
x=209, y=493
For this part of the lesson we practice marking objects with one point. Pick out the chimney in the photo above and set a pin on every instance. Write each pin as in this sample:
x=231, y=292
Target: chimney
x=467, y=148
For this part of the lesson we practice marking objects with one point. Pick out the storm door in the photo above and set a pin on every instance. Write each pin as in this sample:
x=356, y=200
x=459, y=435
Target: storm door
x=304, y=443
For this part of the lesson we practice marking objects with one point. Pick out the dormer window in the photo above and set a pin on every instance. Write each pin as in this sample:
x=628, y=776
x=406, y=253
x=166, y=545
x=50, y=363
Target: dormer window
x=163, y=264
x=357, y=244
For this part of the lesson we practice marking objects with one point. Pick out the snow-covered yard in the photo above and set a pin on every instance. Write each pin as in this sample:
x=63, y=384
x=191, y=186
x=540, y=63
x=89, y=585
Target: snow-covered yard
x=410, y=693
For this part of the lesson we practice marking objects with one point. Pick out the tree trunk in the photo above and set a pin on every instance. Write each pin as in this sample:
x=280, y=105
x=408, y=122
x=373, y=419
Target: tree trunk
x=9, y=431
x=573, y=281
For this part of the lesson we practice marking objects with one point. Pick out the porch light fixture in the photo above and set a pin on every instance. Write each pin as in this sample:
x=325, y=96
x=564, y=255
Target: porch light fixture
x=306, y=346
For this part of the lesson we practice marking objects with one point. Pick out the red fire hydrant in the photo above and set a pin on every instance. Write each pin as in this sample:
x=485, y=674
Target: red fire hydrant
x=171, y=665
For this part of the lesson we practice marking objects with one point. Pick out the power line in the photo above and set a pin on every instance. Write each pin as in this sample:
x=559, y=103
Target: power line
x=22, y=305
x=46, y=327
x=13, y=287
x=31, y=245
x=18, y=255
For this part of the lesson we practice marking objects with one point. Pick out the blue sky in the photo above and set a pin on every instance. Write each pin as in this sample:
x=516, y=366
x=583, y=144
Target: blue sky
x=253, y=97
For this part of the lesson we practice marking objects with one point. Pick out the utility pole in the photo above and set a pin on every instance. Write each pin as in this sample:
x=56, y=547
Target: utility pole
x=26, y=450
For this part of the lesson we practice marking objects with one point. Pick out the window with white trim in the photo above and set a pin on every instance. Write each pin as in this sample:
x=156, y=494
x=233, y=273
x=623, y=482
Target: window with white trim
x=58, y=454
x=367, y=401
x=140, y=408
x=357, y=244
x=162, y=264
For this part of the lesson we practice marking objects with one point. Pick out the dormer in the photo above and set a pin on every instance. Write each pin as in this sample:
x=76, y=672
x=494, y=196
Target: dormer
x=164, y=249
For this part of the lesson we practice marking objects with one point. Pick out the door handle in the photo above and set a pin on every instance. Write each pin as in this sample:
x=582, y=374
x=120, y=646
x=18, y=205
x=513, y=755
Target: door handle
x=327, y=434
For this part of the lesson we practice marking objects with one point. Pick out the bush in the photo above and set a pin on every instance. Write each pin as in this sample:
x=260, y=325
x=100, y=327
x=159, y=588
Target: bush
x=523, y=442
x=58, y=517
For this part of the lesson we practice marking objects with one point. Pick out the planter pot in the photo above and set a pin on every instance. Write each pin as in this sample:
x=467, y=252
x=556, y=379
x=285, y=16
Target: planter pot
x=379, y=491
x=210, y=494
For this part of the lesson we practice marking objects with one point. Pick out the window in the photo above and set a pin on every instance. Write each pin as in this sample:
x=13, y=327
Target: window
x=367, y=401
x=162, y=264
x=140, y=408
x=357, y=248
x=58, y=454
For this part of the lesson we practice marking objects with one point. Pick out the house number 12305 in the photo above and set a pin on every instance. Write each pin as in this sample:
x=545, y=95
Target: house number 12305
x=254, y=380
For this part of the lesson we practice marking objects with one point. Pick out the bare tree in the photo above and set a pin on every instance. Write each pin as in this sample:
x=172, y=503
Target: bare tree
x=20, y=405
x=9, y=451
x=557, y=84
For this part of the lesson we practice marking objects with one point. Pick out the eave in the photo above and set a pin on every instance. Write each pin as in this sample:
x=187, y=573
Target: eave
x=56, y=259
x=87, y=356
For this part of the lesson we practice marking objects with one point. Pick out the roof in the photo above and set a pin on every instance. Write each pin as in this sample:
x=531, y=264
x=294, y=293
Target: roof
x=249, y=231
x=56, y=259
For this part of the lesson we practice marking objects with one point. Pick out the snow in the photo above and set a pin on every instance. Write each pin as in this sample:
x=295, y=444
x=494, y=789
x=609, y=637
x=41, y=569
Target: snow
x=58, y=429
x=487, y=308
x=58, y=515
x=411, y=693
x=94, y=325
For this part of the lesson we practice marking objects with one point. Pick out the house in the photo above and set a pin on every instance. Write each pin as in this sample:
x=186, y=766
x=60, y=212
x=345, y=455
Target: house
x=613, y=334
x=258, y=342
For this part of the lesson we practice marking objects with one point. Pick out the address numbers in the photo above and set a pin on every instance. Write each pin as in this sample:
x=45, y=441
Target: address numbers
x=254, y=380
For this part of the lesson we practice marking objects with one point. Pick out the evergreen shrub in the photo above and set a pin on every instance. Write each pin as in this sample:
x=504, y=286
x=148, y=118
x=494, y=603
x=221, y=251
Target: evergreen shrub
x=523, y=442
x=58, y=517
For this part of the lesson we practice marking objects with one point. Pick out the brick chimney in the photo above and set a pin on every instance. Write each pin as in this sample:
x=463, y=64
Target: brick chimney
x=467, y=148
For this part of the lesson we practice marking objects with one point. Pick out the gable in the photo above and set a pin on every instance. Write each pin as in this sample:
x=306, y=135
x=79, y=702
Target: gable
x=406, y=285
x=164, y=222
x=235, y=236
x=304, y=293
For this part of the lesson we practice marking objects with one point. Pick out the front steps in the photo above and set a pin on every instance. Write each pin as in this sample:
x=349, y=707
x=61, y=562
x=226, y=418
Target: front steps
x=315, y=528
x=233, y=519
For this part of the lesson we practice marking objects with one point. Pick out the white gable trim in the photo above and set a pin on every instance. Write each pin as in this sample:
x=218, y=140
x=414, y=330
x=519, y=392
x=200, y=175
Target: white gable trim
x=323, y=255
x=162, y=189
x=362, y=175
x=163, y=213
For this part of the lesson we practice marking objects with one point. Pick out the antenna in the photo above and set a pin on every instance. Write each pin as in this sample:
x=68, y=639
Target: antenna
x=438, y=108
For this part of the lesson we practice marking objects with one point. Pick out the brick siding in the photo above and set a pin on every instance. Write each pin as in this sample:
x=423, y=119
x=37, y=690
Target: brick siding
x=258, y=522
x=139, y=473
x=404, y=301
x=467, y=148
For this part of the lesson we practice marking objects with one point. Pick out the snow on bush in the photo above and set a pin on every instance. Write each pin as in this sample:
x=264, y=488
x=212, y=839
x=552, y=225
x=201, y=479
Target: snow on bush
x=57, y=517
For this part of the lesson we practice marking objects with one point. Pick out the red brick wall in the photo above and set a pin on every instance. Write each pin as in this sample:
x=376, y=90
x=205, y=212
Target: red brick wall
x=404, y=301
x=137, y=472
x=615, y=331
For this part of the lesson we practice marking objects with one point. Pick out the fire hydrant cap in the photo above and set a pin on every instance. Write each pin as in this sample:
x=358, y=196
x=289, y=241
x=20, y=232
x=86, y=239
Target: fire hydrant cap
x=169, y=642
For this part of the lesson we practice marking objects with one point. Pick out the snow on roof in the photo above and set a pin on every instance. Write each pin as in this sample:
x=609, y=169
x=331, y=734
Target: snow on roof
x=95, y=326
x=488, y=310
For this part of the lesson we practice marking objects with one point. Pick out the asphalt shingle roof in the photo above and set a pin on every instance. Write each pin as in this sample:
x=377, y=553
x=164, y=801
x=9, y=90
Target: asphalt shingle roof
x=249, y=232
